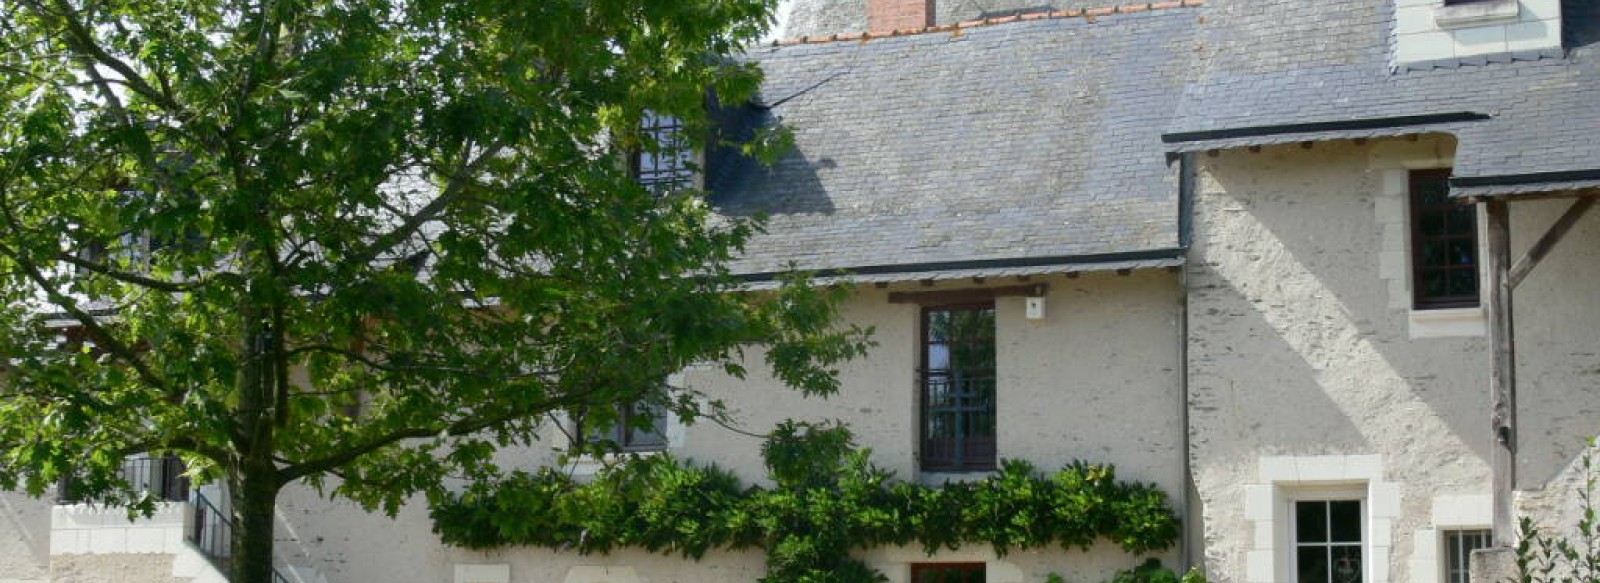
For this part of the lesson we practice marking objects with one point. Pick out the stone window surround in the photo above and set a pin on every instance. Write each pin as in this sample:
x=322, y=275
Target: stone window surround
x=1452, y=15
x=1449, y=513
x=1283, y=479
x=1429, y=30
x=1392, y=212
x=895, y=562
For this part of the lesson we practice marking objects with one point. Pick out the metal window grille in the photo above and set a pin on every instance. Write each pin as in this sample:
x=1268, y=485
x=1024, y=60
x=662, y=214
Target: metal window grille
x=958, y=388
x=1459, y=545
x=665, y=163
x=161, y=477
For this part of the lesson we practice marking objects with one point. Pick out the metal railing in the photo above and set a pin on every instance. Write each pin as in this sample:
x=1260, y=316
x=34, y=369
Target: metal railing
x=958, y=419
x=212, y=534
x=160, y=476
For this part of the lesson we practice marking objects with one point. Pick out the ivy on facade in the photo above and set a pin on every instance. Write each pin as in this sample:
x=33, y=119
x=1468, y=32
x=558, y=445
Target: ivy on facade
x=827, y=499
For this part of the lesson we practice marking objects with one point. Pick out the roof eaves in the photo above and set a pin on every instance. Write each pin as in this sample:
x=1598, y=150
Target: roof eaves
x=1320, y=127
x=917, y=271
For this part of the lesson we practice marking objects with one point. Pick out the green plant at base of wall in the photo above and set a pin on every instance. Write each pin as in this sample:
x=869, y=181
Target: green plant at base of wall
x=1570, y=558
x=827, y=500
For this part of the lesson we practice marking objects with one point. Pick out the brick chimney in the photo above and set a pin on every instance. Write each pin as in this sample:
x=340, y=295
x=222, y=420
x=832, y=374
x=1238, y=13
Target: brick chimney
x=892, y=15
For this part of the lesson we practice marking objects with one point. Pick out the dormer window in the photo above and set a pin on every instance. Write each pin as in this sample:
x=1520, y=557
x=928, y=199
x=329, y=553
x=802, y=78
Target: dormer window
x=665, y=161
x=1426, y=31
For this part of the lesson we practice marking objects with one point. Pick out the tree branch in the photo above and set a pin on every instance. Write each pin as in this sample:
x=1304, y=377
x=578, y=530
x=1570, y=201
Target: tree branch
x=116, y=347
x=458, y=182
x=82, y=40
x=460, y=427
x=128, y=278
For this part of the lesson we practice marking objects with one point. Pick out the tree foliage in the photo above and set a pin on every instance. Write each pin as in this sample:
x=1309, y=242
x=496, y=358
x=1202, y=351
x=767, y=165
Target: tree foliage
x=369, y=239
x=826, y=501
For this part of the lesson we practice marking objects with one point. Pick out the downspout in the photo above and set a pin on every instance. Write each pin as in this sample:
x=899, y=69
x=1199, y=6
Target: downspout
x=1186, y=194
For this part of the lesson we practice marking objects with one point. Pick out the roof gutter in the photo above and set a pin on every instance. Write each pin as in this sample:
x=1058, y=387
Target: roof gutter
x=1529, y=178
x=1002, y=263
x=1374, y=123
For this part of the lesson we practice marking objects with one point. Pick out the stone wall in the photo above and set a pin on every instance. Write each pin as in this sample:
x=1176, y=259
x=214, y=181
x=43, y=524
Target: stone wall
x=24, y=538
x=113, y=568
x=1097, y=379
x=1306, y=373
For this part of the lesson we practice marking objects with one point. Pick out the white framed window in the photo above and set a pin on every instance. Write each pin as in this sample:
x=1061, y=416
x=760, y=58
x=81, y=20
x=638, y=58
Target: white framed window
x=1329, y=537
x=1321, y=519
x=1458, y=525
x=637, y=427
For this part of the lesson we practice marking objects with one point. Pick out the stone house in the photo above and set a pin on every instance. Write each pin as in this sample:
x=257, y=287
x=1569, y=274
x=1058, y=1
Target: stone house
x=1218, y=245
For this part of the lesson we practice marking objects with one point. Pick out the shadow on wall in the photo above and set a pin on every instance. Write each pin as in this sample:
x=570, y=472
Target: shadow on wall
x=24, y=536
x=1581, y=19
x=1291, y=297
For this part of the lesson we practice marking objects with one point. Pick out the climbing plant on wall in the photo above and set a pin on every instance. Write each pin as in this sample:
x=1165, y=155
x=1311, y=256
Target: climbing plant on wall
x=826, y=499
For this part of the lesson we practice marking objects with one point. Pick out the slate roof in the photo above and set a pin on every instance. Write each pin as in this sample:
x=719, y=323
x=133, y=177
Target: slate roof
x=1030, y=144
x=1285, y=62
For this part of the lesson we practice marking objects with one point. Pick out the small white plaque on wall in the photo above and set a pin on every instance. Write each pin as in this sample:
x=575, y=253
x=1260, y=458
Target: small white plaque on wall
x=483, y=573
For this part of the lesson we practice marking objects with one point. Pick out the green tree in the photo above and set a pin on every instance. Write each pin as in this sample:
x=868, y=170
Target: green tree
x=368, y=240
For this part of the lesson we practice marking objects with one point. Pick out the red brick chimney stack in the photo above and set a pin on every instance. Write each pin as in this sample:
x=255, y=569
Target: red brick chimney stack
x=891, y=15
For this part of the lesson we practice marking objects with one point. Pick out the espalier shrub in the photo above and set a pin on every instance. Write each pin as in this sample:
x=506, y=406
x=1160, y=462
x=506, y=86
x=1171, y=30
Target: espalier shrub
x=827, y=500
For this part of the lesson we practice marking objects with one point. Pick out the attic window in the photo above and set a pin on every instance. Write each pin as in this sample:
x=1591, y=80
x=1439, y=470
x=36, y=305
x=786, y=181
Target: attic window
x=665, y=162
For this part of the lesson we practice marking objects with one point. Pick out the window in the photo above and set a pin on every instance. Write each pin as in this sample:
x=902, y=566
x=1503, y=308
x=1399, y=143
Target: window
x=1327, y=541
x=1458, y=547
x=665, y=162
x=1444, y=245
x=638, y=427
x=958, y=388
x=947, y=573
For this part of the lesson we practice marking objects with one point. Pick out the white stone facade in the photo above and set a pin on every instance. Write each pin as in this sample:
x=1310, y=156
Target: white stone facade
x=1304, y=352
x=1427, y=30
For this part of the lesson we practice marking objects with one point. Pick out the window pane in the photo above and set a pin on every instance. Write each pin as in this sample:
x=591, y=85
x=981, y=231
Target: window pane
x=1312, y=564
x=1463, y=221
x=1311, y=521
x=1345, y=516
x=938, y=357
x=1433, y=284
x=1346, y=564
x=1462, y=252
x=1463, y=282
x=1433, y=224
x=938, y=325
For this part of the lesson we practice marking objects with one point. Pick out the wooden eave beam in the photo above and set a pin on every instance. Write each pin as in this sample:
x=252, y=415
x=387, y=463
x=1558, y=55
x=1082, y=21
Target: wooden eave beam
x=965, y=296
x=1551, y=237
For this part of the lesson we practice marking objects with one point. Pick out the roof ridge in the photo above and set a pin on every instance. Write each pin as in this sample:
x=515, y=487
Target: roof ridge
x=1089, y=14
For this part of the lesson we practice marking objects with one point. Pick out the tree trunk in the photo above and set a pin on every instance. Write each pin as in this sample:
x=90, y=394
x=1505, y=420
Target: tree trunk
x=255, y=493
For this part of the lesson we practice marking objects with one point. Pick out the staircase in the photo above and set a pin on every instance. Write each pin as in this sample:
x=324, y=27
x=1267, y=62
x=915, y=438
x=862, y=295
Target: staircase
x=212, y=535
x=188, y=529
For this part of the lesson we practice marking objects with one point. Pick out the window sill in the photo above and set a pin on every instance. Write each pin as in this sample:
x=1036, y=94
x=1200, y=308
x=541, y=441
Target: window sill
x=589, y=465
x=937, y=477
x=1448, y=323
x=1476, y=13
